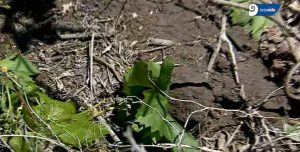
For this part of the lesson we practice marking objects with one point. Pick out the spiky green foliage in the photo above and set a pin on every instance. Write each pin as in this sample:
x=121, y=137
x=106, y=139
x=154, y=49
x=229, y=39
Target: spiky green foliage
x=147, y=81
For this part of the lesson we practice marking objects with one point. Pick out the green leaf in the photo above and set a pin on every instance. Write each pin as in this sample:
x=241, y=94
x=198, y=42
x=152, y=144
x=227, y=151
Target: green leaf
x=187, y=139
x=257, y=23
x=18, y=144
x=170, y=131
x=48, y=110
x=9, y=64
x=159, y=125
x=75, y=129
x=146, y=113
x=65, y=122
x=23, y=65
x=70, y=133
x=54, y=110
x=139, y=76
x=164, y=79
x=239, y=17
x=126, y=88
x=256, y=35
x=154, y=69
x=152, y=120
x=136, y=79
x=19, y=65
x=252, y=24
x=153, y=99
x=293, y=131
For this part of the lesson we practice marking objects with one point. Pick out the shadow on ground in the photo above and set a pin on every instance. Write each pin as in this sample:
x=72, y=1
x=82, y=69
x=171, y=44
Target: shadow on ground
x=29, y=20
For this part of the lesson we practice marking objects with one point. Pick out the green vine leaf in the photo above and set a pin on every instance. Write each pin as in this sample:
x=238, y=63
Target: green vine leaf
x=88, y=132
x=18, y=144
x=54, y=110
x=152, y=120
x=293, y=131
x=164, y=79
x=252, y=24
x=64, y=121
x=23, y=65
x=135, y=80
x=146, y=114
x=62, y=117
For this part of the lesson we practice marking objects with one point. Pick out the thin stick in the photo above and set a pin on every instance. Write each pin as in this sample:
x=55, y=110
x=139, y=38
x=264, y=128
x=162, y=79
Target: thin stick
x=232, y=51
x=151, y=50
x=242, y=92
x=233, y=135
x=110, y=131
x=91, y=53
x=81, y=35
x=219, y=45
x=135, y=147
x=110, y=67
x=186, y=123
x=7, y=146
x=160, y=42
x=168, y=146
x=268, y=96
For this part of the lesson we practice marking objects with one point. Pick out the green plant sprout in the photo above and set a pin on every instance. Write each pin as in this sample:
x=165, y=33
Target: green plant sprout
x=146, y=82
x=27, y=112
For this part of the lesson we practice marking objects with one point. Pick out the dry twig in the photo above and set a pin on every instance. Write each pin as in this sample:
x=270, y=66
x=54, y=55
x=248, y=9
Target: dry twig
x=110, y=131
x=81, y=35
x=232, y=51
x=109, y=66
x=233, y=135
x=216, y=52
x=91, y=53
x=135, y=147
x=151, y=50
x=162, y=42
x=168, y=146
x=268, y=97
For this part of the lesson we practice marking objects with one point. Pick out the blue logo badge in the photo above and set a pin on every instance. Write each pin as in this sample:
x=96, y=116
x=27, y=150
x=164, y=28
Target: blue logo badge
x=263, y=9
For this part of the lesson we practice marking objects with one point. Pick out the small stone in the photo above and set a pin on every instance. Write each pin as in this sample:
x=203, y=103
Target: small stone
x=247, y=47
x=223, y=64
x=282, y=47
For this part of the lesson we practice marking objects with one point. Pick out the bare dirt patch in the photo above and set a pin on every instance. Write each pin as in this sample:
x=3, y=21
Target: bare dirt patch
x=188, y=22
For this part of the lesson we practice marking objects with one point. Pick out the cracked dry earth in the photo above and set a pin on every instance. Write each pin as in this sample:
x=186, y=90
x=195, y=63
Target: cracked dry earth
x=195, y=25
x=178, y=23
